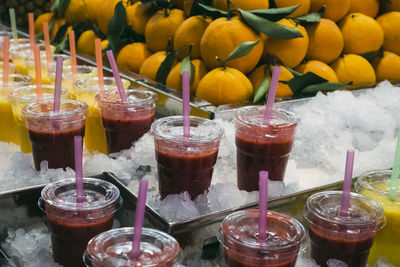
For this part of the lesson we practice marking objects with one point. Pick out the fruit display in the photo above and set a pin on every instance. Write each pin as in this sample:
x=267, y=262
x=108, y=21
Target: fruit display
x=231, y=46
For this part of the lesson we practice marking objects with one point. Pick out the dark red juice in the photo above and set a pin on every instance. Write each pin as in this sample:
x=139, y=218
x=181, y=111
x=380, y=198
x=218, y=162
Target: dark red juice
x=69, y=239
x=179, y=172
x=121, y=133
x=254, y=155
x=234, y=260
x=55, y=147
x=354, y=252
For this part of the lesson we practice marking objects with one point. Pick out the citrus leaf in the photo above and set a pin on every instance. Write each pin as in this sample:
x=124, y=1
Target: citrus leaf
x=297, y=84
x=261, y=91
x=98, y=32
x=310, y=18
x=370, y=56
x=59, y=7
x=323, y=87
x=188, y=66
x=116, y=27
x=60, y=35
x=62, y=45
x=165, y=67
x=293, y=72
x=242, y=49
x=39, y=36
x=274, y=14
x=148, y=1
x=213, y=12
x=268, y=27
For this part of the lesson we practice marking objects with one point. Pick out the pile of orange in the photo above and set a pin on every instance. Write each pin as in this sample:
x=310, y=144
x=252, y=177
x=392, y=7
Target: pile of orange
x=333, y=48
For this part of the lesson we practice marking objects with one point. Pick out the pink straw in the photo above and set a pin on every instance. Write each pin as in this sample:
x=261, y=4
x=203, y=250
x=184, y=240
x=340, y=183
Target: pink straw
x=57, y=88
x=78, y=169
x=263, y=206
x=139, y=218
x=117, y=78
x=185, y=101
x=344, y=210
x=6, y=62
x=271, y=94
x=31, y=31
x=72, y=51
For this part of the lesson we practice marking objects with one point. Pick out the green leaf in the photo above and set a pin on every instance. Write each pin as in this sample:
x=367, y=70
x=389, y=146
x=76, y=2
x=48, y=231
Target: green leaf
x=310, y=18
x=62, y=45
x=297, y=84
x=323, y=87
x=370, y=56
x=242, y=49
x=213, y=12
x=165, y=67
x=59, y=7
x=39, y=36
x=293, y=72
x=269, y=28
x=98, y=32
x=60, y=35
x=261, y=91
x=116, y=27
x=274, y=14
x=148, y=1
x=188, y=66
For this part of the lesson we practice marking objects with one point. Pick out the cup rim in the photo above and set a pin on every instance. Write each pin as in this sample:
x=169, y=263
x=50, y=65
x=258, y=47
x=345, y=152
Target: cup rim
x=14, y=97
x=79, y=84
x=82, y=107
x=25, y=80
x=150, y=98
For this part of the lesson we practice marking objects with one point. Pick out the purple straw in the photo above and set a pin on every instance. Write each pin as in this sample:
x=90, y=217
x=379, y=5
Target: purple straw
x=78, y=169
x=344, y=210
x=117, y=77
x=139, y=218
x=185, y=101
x=57, y=88
x=271, y=94
x=263, y=206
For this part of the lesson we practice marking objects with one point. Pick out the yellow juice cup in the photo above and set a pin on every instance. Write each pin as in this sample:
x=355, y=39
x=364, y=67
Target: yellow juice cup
x=20, y=53
x=375, y=185
x=86, y=91
x=12, y=69
x=8, y=128
x=31, y=71
x=22, y=96
x=68, y=80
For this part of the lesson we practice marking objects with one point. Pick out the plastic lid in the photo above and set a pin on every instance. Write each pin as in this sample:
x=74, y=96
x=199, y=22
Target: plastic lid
x=133, y=97
x=92, y=84
x=254, y=115
x=27, y=94
x=45, y=109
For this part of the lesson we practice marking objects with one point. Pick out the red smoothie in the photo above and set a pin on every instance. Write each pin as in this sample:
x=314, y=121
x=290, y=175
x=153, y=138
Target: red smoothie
x=57, y=148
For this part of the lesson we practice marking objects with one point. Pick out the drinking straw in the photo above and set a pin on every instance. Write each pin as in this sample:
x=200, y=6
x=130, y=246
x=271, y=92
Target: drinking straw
x=99, y=61
x=185, y=101
x=38, y=73
x=139, y=218
x=78, y=169
x=394, y=180
x=47, y=42
x=72, y=51
x=31, y=31
x=57, y=88
x=348, y=175
x=271, y=94
x=263, y=206
x=117, y=78
x=13, y=25
x=6, y=62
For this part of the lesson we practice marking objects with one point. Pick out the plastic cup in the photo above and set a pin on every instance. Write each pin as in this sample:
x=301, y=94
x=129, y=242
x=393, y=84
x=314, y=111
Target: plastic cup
x=86, y=91
x=30, y=66
x=12, y=69
x=262, y=147
x=20, y=53
x=347, y=239
x=112, y=248
x=68, y=79
x=125, y=122
x=375, y=185
x=8, y=128
x=239, y=237
x=72, y=225
x=22, y=96
x=185, y=164
x=52, y=134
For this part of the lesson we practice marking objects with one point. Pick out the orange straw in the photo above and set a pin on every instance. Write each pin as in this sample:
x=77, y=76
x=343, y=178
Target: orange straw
x=47, y=42
x=31, y=31
x=6, y=62
x=38, y=72
x=73, y=52
x=99, y=61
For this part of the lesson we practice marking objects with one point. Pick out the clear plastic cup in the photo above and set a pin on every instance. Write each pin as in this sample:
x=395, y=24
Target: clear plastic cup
x=8, y=128
x=333, y=236
x=22, y=96
x=375, y=185
x=12, y=69
x=86, y=90
x=20, y=53
x=112, y=248
x=52, y=134
x=262, y=147
x=45, y=66
x=73, y=224
x=125, y=122
x=68, y=79
x=239, y=237
x=185, y=164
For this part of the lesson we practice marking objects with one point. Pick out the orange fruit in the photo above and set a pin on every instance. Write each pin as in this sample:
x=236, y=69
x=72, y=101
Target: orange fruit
x=334, y=9
x=73, y=13
x=243, y=4
x=105, y=12
x=132, y=56
x=45, y=17
x=151, y=65
x=319, y=68
x=387, y=67
x=174, y=79
x=354, y=69
x=326, y=41
x=90, y=8
x=86, y=42
x=366, y=7
x=222, y=36
x=300, y=11
x=390, y=23
x=137, y=17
